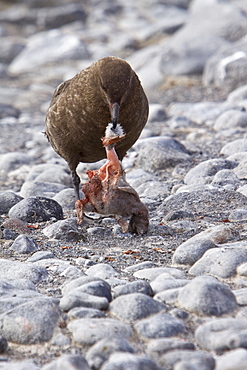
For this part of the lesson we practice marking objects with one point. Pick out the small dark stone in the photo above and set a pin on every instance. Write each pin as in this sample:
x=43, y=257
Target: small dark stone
x=36, y=210
x=3, y=344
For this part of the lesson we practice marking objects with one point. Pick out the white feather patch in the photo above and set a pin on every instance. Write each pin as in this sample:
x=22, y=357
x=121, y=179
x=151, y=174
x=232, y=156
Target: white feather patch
x=110, y=131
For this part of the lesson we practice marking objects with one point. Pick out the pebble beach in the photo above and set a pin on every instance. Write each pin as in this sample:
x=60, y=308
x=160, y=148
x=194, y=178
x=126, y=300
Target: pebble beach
x=90, y=297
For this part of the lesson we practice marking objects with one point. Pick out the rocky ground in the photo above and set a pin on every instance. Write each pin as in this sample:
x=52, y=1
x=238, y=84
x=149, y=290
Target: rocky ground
x=89, y=296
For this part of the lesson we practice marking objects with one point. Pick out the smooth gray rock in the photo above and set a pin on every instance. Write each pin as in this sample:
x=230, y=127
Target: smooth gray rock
x=157, y=347
x=227, y=67
x=55, y=45
x=101, y=270
x=227, y=178
x=22, y=270
x=19, y=365
x=231, y=118
x=89, y=331
x=159, y=153
x=13, y=160
x=185, y=53
x=7, y=200
x=241, y=296
x=191, y=251
x=206, y=296
x=137, y=286
x=159, y=325
x=68, y=362
x=240, y=170
x=233, y=147
x=122, y=361
x=235, y=359
x=24, y=245
x=204, y=171
x=40, y=255
x=66, y=198
x=168, y=296
x=60, y=340
x=102, y=350
x=134, y=306
x=84, y=312
x=44, y=189
x=81, y=299
x=28, y=324
x=152, y=273
x=219, y=262
x=200, y=113
x=96, y=287
x=140, y=266
x=221, y=334
x=238, y=94
x=63, y=230
x=162, y=283
x=195, y=359
x=36, y=209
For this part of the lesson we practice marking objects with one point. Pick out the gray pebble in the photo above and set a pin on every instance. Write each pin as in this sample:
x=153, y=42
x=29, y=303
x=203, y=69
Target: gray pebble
x=162, y=283
x=159, y=325
x=157, y=347
x=40, y=255
x=137, y=286
x=7, y=200
x=84, y=312
x=227, y=178
x=101, y=270
x=81, y=299
x=159, y=153
x=24, y=245
x=63, y=230
x=204, y=171
x=20, y=365
x=231, y=118
x=68, y=362
x=233, y=147
x=36, y=209
x=221, y=262
x=168, y=296
x=157, y=113
x=9, y=234
x=44, y=189
x=20, y=270
x=240, y=170
x=140, y=266
x=101, y=351
x=41, y=323
x=89, y=331
x=60, y=340
x=235, y=359
x=205, y=295
x=46, y=41
x=11, y=161
x=241, y=296
x=191, y=251
x=152, y=273
x=199, y=360
x=66, y=198
x=134, y=306
x=122, y=361
x=220, y=334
